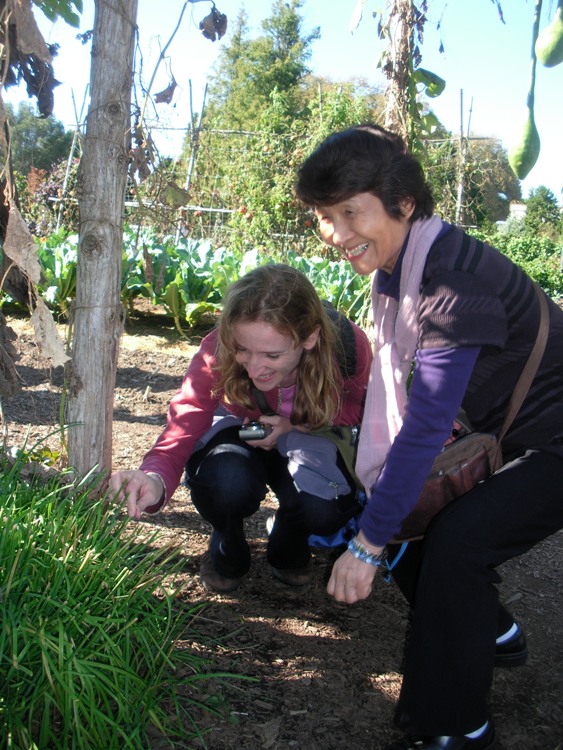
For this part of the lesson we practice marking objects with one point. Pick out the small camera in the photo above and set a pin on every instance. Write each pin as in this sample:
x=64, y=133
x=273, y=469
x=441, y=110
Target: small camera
x=254, y=431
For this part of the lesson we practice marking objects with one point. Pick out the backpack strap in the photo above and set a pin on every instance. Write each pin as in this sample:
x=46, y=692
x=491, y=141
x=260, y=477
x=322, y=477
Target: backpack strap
x=347, y=352
x=262, y=402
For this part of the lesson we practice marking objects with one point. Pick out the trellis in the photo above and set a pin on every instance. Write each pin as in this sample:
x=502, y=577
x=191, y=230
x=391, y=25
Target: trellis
x=208, y=199
x=211, y=199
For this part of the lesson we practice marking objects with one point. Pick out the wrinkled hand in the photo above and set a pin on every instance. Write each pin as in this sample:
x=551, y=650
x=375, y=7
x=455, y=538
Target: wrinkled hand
x=137, y=489
x=351, y=580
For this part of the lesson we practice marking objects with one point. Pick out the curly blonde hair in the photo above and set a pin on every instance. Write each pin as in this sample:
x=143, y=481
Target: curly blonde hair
x=285, y=299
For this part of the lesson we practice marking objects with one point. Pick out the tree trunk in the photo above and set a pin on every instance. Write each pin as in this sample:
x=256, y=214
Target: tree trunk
x=399, y=69
x=97, y=315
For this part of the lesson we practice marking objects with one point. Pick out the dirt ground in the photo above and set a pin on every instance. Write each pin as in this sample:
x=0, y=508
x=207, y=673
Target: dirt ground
x=327, y=674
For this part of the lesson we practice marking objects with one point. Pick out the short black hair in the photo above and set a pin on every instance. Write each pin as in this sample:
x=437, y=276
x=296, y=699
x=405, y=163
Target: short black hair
x=365, y=159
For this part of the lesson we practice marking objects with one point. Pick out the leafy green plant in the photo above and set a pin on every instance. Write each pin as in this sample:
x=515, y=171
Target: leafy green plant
x=201, y=277
x=88, y=645
x=133, y=283
x=338, y=283
x=58, y=258
x=190, y=277
x=540, y=257
x=206, y=274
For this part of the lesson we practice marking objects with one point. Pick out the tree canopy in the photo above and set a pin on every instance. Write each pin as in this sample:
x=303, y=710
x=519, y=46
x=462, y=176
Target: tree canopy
x=36, y=142
x=543, y=215
x=249, y=70
x=488, y=182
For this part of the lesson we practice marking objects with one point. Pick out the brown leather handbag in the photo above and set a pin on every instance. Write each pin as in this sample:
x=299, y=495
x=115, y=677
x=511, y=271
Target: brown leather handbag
x=474, y=457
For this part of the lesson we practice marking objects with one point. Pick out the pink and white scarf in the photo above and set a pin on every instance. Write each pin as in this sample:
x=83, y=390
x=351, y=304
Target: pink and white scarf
x=396, y=338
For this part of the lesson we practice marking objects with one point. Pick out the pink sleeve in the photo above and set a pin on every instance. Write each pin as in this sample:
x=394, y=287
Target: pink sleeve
x=190, y=415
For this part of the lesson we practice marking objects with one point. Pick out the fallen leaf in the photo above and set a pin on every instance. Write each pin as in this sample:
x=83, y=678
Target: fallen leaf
x=47, y=336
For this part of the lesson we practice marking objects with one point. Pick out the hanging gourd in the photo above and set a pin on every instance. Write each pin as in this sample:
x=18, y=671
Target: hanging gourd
x=549, y=44
x=524, y=155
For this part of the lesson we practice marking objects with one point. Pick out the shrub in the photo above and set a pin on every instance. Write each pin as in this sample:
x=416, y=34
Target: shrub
x=539, y=257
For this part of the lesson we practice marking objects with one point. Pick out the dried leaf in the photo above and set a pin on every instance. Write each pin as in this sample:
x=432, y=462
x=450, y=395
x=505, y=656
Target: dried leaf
x=174, y=196
x=20, y=246
x=214, y=25
x=27, y=57
x=139, y=163
x=29, y=38
x=270, y=732
x=167, y=94
x=46, y=335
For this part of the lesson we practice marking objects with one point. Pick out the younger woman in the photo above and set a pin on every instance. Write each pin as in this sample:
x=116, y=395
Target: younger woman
x=280, y=356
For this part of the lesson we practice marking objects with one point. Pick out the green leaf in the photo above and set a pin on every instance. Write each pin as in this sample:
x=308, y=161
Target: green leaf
x=54, y=9
x=429, y=122
x=433, y=84
x=172, y=300
x=195, y=310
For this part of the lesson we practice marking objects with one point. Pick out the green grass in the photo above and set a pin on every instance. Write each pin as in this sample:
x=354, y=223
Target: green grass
x=88, y=645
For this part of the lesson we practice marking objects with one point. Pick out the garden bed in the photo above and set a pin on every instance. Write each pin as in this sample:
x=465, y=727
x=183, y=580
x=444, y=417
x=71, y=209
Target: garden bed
x=327, y=674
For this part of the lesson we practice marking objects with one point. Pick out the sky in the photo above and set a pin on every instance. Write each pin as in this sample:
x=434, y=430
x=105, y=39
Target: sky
x=485, y=63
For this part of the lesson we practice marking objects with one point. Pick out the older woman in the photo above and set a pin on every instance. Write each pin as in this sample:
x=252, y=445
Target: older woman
x=455, y=323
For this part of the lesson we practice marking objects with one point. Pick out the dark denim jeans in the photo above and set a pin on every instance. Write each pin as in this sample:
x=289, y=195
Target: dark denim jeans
x=450, y=578
x=228, y=480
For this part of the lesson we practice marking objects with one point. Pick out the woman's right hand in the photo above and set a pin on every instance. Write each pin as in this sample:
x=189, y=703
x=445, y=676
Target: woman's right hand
x=138, y=489
x=278, y=425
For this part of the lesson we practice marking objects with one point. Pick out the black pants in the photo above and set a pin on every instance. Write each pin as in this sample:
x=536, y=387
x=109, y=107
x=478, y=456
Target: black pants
x=229, y=479
x=449, y=657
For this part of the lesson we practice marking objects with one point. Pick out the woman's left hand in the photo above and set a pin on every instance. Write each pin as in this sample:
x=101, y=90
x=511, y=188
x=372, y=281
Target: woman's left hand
x=351, y=579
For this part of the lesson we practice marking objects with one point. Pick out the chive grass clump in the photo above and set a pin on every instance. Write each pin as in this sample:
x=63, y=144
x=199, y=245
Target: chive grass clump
x=88, y=640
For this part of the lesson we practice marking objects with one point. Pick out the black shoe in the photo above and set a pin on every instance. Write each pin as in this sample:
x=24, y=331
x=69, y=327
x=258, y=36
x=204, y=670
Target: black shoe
x=213, y=580
x=512, y=653
x=294, y=576
x=485, y=742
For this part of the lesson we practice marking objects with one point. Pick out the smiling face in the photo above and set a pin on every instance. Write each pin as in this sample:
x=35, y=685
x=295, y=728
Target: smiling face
x=362, y=230
x=270, y=358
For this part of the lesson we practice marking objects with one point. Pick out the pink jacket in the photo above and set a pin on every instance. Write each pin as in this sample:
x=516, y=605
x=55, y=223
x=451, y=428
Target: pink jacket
x=191, y=411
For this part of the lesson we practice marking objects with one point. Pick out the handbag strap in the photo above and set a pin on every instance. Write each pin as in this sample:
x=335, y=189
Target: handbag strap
x=531, y=366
